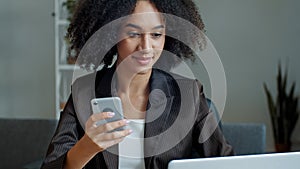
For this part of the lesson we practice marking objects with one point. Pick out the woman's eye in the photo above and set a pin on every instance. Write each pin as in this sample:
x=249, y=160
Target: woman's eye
x=156, y=35
x=133, y=34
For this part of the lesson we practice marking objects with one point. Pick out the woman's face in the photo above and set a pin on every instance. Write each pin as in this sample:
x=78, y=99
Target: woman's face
x=143, y=38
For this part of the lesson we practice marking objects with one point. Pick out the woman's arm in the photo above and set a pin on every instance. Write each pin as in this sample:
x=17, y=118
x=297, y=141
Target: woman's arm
x=95, y=140
x=67, y=133
x=72, y=147
x=82, y=152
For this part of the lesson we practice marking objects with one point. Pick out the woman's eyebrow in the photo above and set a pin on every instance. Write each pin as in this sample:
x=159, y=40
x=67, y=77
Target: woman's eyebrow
x=133, y=26
x=159, y=27
x=140, y=28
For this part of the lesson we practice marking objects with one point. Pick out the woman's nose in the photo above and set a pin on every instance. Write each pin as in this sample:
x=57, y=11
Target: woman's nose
x=146, y=43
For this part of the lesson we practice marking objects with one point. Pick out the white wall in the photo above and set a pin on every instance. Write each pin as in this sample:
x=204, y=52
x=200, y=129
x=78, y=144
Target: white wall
x=27, y=59
x=251, y=36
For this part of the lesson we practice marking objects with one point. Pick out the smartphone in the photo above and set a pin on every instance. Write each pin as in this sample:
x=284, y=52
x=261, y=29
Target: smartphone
x=108, y=104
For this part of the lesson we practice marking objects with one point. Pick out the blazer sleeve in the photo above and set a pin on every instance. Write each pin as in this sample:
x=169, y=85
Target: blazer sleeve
x=66, y=135
x=208, y=138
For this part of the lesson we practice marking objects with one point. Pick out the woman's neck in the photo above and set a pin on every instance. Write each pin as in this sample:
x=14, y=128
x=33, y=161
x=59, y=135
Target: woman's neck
x=133, y=84
x=134, y=92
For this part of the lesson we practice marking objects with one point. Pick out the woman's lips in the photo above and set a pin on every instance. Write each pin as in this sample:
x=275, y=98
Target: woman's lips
x=143, y=60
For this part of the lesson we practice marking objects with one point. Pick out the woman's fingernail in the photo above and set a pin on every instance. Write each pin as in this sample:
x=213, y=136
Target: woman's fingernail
x=130, y=131
x=126, y=121
x=111, y=114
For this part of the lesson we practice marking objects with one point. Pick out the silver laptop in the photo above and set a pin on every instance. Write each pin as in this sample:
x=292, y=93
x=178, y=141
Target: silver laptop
x=261, y=161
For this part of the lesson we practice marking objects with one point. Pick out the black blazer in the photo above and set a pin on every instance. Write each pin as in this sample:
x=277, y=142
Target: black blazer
x=177, y=121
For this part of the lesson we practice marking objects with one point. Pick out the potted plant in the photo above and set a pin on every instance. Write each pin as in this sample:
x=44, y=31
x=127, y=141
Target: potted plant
x=283, y=111
x=70, y=6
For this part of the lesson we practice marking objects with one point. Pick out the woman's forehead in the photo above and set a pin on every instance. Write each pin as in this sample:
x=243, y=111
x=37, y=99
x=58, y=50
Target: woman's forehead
x=148, y=19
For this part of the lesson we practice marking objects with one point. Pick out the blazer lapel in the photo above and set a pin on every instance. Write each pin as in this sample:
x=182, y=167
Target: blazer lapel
x=161, y=112
x=83, y=90
x=106, y=83
x=94, y=85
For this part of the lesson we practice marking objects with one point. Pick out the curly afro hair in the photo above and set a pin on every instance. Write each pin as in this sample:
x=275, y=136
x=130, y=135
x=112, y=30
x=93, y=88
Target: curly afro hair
x=91, y=15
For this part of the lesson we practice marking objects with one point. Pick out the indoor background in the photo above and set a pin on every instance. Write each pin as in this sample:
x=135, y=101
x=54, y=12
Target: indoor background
x=251, y=37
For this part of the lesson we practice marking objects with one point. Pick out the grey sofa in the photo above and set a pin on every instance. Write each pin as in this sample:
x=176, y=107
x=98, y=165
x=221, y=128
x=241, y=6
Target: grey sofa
x=246, y=138
x=24, y=141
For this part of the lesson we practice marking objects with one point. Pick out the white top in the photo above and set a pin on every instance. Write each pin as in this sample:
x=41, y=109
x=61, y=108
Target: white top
x=131, y=149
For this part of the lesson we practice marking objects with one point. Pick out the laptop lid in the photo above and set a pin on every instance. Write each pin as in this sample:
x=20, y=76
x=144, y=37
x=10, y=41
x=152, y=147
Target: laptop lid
x=261, y=161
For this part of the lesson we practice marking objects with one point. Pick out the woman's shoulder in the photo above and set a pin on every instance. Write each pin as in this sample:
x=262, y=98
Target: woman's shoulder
x=88, y=77
x=176, y=81
x=179, y=78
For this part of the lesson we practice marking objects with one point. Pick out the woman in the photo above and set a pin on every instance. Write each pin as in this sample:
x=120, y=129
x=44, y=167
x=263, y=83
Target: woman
x=171, y=126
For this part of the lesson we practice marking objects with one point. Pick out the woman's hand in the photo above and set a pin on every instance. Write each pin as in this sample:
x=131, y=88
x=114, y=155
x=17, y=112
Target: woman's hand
x=101, y=135
x=96, y=139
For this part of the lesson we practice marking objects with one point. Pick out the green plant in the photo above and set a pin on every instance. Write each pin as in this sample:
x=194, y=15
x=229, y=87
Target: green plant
x=70, y=6
x=283, y=109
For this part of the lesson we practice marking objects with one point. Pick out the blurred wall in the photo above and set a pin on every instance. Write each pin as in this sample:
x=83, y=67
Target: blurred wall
x=27, y=59
x=251, y=36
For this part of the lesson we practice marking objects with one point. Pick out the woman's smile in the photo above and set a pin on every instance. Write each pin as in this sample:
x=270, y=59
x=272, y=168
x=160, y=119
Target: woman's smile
x=143, y=60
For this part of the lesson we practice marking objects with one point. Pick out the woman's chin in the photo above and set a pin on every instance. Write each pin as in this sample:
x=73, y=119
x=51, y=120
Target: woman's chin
x=135, y=66
x=144, y=71
x=140, y=70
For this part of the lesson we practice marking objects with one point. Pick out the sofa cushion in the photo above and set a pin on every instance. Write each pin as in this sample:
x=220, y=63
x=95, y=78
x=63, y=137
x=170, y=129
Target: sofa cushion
x=24, y=140
x=246, y=138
